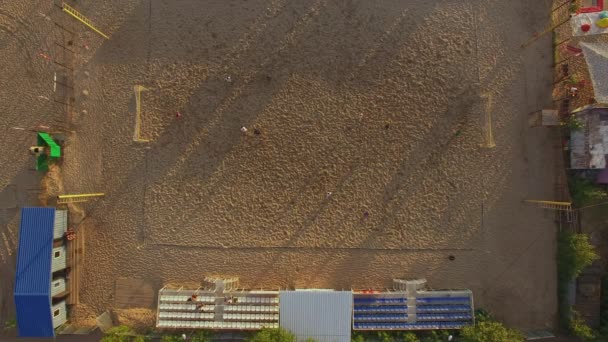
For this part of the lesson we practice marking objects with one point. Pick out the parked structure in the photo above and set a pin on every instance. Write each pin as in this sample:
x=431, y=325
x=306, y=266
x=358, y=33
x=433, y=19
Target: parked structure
x=46, y=151
x=323, y=315
x=40, y=284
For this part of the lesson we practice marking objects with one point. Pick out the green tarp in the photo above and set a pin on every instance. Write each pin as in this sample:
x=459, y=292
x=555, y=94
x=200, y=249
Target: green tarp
x=45, y=139
x=42, y=162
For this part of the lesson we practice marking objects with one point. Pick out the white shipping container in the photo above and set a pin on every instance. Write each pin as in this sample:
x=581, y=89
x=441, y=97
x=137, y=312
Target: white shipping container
x=57, y=286
x=58, y=259
x=59, y=312
x=61, y=223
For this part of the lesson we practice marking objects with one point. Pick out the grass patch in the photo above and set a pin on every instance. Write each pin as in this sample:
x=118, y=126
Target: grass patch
x=10, y=324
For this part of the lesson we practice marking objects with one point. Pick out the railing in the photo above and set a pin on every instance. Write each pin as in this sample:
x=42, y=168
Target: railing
x=74, y=13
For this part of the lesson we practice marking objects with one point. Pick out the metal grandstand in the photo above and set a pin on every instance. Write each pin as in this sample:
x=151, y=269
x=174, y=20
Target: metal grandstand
x=410, y=307
x=220, y=306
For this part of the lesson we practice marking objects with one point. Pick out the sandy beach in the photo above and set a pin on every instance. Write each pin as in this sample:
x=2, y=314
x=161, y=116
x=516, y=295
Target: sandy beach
x=365, y=158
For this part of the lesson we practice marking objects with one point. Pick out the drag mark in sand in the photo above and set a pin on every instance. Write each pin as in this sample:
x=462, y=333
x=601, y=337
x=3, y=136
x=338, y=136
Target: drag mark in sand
x=486, y=118
x=307, y=248
x=7, y=246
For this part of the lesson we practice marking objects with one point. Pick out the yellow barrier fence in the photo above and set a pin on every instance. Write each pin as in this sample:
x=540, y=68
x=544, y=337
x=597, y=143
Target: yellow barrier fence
x=63, y=199
x=74, y=13
x=137, y=134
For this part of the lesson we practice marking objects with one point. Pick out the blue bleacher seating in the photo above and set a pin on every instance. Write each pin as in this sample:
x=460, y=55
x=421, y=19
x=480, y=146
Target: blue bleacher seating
x=430, y=300
x=443, y=308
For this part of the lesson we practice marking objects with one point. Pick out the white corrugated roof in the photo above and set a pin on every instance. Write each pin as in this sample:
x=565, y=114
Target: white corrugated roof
x=324, y=315
x=596, y=55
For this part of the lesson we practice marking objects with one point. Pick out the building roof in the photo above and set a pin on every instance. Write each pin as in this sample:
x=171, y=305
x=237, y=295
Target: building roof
x=589, y=145
x=596, y=56
x=323, y=315
x=33, y=276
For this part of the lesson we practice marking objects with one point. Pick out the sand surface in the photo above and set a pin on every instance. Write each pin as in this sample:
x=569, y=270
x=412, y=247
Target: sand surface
x=369, y=163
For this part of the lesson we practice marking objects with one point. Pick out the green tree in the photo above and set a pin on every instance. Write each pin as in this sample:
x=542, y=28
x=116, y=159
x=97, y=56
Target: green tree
x=121, y=333
x=201, y=336
x=436, y=336
x=580, y=329
x=385, y=336
x=574, y=123
x=409, y=337
x=115, y=338
x=584, y=192
x=575, y=254
x=171, y=338
x=482, y=315
x=357, y=337
x=489, y=332
x=273, y=335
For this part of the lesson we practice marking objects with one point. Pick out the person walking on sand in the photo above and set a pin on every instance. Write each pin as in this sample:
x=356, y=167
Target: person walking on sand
x=178, y=115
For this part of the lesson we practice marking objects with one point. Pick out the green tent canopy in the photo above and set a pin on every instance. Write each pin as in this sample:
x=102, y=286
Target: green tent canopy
x=45, y=139
x=42, y=162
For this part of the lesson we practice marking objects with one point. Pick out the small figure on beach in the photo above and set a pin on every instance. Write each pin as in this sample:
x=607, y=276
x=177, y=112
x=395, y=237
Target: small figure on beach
x=70, y=234
x=178, y=115
x=45, y=56
x=328, y=194
x=228, y=79
x=244, y=129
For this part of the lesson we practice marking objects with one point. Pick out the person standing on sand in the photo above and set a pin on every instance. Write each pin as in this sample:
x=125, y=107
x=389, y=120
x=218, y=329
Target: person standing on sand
x=178, y=115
